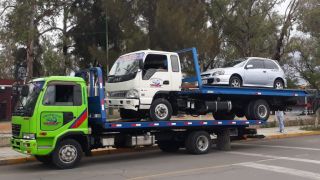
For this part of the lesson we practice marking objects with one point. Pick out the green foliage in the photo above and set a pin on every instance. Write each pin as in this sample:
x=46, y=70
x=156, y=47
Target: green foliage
x=53, y=60
x=222, y=30
x=305, y=59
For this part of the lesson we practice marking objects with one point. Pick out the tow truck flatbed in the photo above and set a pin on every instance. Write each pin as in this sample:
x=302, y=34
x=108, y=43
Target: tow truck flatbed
x=177, y=124
x=248, y=91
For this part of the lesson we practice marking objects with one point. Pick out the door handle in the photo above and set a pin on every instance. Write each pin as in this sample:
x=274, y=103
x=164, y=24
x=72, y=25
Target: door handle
x=166, y=82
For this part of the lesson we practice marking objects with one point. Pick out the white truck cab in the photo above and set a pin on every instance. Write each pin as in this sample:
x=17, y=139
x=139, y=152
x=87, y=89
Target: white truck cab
x=135, y=79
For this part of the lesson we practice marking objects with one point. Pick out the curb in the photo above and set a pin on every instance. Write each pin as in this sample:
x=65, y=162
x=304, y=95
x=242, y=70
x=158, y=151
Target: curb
x=17, y=160
x=20, y=160
x=280, y=136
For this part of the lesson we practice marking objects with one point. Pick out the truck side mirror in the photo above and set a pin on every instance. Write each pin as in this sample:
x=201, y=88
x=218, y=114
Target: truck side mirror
x=25, y=90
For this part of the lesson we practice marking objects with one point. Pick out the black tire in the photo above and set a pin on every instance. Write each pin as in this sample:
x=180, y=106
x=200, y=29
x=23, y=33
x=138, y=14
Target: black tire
x=235, y=81
x=168, y=146
x=193, y=144
x=223, y=139
x=248, y=114
x=160, y=110
x=224, y=116
x=75, y=150
x=278, y=84
x=44, y=159
x=259, y=110
x=130, y=114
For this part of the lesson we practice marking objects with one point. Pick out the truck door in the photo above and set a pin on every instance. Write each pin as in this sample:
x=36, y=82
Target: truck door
x=156, y=76
x=176, y=75
x=61, y=104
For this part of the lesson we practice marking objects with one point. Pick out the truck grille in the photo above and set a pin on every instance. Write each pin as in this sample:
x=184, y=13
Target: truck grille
x=118, y=94
x=16, y=130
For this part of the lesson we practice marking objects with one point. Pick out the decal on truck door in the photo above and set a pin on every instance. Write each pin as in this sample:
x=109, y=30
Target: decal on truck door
x=51, y=120
x=155, y=82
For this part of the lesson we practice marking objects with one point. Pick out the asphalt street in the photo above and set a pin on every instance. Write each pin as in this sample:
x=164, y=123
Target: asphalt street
x=290, y=158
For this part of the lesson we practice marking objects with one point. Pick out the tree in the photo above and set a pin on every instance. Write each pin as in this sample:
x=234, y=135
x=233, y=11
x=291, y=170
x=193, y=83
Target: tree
x=27, y=31
x=304, y=57
x=89, y=34
x=288, y=20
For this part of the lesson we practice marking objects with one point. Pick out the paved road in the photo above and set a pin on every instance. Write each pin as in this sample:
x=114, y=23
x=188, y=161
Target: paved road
x=291, y=158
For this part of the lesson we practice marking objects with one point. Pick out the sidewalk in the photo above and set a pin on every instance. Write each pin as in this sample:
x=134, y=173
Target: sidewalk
x=9, y=156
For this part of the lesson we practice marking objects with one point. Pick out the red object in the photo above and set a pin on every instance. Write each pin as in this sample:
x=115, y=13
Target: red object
x=6, y=106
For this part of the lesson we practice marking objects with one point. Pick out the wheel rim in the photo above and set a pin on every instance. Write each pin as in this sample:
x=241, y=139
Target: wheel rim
x=278, y=85
x=202, y=143
x=68, y=154
x=161, y=111
x=262, y=111
x=235, y=82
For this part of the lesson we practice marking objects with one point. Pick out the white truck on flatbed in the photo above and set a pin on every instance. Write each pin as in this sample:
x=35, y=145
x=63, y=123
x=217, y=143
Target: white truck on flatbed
x=150, y=84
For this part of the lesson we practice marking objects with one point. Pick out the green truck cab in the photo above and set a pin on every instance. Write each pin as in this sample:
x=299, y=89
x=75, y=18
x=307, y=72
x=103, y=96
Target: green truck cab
x=51, y=110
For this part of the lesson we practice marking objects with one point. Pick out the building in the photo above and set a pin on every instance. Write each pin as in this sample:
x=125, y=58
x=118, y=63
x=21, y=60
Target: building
x=5, y=99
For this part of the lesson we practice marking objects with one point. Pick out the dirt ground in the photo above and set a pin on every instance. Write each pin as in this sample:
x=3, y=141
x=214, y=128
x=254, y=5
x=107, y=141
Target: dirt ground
x=5, y=127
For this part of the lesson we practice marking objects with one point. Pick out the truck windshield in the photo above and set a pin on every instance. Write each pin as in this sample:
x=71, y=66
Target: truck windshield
x=26, y=104
x=125, y=68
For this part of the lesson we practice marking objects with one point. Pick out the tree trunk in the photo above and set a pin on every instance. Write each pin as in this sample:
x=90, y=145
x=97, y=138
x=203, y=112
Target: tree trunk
x=152, y=12
x=30, y=43
x=64, y=40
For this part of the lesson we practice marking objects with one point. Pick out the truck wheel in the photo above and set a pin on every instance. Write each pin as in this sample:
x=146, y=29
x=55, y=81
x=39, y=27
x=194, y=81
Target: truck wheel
x=168, y=146
x=67, y=154
x=259, y=110
x=160, y=110
x=198, y=142
x=129, y=114
x=224, y=116
x=44, y=159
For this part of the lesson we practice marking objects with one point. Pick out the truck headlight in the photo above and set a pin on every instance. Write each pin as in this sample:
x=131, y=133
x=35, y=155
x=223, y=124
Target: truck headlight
x=220, y=72
x=132, y=94
x=28, y=136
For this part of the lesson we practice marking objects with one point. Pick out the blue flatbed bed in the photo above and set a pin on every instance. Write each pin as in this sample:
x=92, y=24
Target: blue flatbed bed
x=222, y=90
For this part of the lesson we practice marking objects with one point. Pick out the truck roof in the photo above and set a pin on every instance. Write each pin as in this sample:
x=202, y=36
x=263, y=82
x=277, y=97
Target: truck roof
x=148, y=51
x=60, y=78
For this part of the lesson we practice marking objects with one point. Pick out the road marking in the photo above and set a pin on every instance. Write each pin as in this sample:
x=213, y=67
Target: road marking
x=284, y=147
x=283, y=170
x=277, y=157
x=189, y=170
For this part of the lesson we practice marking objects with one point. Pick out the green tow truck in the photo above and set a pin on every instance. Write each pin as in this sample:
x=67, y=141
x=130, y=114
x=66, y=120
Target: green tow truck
x=59, y=119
